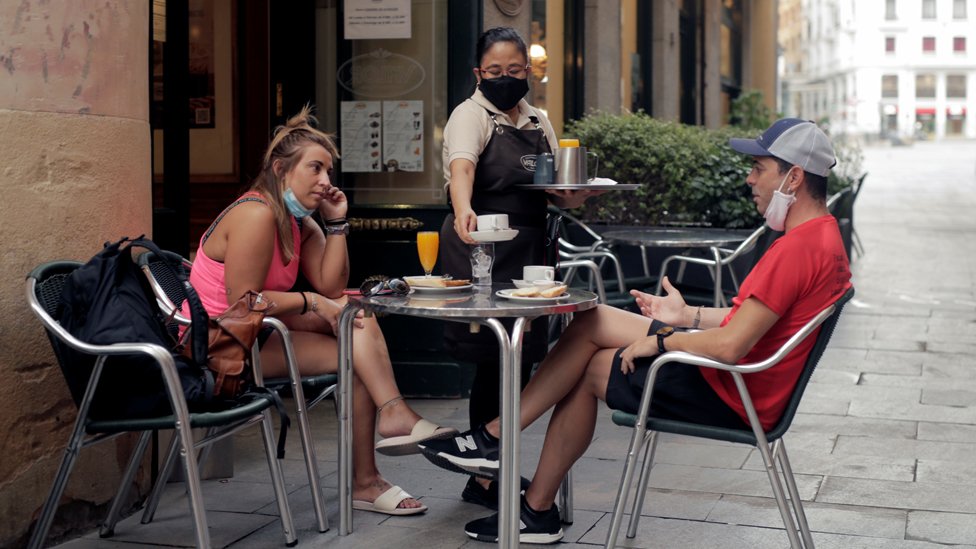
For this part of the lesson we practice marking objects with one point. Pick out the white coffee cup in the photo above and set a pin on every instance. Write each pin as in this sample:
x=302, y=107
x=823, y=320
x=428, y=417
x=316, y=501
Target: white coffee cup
x=495, y=222
x=538, y=272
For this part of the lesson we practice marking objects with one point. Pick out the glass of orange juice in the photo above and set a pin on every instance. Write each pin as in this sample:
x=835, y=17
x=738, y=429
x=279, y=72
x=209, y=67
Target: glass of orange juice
x=427, y=244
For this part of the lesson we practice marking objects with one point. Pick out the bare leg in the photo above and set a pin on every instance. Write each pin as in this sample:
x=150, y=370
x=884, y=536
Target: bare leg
x=367, y=483
x=317, y=353
x=566, y=364
x=570, y=431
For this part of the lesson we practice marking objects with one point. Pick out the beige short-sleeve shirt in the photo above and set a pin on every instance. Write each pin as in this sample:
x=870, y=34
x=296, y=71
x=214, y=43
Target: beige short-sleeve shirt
x=470, y=127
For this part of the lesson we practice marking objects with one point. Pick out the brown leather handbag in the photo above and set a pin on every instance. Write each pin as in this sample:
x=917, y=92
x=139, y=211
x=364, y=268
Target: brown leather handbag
x=231, y=337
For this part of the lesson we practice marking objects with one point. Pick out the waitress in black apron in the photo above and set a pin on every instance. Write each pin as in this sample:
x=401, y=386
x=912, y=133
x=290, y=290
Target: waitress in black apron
x=490, y=144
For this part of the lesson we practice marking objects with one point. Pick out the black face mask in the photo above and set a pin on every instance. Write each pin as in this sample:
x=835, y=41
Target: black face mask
x=505, y=91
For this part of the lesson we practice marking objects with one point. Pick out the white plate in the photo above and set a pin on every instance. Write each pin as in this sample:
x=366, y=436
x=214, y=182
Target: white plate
x=534, y=283
x=507, y=294
x=450, y=290
x=501, y=235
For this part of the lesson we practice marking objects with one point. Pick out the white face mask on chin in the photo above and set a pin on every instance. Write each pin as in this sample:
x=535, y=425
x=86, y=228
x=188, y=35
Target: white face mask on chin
x=778, y=207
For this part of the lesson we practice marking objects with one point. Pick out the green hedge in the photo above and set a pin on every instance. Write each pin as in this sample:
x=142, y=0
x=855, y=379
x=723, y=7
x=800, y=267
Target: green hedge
x=688, y=174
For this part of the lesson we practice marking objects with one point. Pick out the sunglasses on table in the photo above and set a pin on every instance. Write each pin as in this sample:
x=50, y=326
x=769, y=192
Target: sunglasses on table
x=377, y=285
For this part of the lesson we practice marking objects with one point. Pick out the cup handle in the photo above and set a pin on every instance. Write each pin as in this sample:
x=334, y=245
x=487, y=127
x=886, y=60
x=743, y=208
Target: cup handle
x=550, y=275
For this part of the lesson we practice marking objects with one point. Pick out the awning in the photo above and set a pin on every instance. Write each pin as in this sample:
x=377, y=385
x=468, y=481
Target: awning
x=925, y=110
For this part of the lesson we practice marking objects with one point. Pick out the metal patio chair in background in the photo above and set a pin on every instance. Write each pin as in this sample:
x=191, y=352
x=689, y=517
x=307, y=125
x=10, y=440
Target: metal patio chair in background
x=715, y=267
x=770, y=443
x=44, y=286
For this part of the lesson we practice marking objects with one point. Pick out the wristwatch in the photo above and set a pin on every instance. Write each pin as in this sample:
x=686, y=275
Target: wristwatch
x=342, y=229
x=661, y=334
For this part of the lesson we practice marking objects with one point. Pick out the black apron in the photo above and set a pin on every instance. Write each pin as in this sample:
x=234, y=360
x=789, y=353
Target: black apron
x=508, y=159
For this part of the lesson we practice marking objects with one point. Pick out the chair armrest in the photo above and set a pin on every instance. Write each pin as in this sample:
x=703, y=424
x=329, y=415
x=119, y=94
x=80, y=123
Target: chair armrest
x=587, y=264
x=569, y=246
x=737, y=370
x=165, y=304
x=291, y=361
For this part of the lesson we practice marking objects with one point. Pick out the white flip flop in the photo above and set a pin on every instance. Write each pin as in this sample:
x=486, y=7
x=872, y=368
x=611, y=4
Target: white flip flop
x=422, y=431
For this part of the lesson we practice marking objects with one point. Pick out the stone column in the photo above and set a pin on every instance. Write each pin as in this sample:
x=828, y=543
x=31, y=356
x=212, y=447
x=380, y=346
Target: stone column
x=75, y=161
x=601, y=56
x=712, y=59
x=666, y=64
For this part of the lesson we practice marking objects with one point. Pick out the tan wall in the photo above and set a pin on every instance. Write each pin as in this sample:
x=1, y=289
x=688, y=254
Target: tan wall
x=759, y=55
x=74, y=158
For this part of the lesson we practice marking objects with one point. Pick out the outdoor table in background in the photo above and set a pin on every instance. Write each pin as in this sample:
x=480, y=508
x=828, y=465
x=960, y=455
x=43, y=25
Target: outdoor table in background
x=479, y=307
x=680, y=237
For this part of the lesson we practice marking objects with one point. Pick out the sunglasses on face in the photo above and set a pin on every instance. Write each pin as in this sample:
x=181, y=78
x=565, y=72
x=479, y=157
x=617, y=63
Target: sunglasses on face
x=376, y=285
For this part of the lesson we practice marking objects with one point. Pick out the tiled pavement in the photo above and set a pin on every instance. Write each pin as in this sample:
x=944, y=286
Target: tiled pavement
x=883, y=447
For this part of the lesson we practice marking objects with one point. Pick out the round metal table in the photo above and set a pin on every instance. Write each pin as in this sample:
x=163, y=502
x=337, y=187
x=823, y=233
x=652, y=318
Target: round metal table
x=681, y=237
x=479, y=306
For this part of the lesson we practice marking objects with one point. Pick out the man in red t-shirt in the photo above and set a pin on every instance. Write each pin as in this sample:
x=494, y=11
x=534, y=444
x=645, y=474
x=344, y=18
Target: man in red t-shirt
x=606, y=352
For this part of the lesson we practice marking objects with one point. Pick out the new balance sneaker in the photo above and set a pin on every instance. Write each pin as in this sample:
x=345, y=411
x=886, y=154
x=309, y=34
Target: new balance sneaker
x=538, y=527
x=474, y=492
x=473, y=452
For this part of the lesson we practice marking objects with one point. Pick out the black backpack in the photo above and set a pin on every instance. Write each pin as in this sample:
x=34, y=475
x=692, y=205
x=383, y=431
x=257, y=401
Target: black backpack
x=108, y=300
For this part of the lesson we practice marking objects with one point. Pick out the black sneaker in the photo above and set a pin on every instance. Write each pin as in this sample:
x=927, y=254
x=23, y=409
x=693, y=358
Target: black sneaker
x=539, y=527
x=474, y=492
x=473, y=452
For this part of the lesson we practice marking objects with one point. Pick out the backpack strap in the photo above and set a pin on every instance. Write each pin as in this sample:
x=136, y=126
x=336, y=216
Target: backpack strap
x=213, y=225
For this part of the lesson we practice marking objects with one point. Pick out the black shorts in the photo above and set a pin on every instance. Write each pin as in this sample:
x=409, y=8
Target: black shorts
x=680, y=392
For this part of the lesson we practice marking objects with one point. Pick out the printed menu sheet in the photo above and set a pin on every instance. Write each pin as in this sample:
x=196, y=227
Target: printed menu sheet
x=403, y=136
x=362, y=123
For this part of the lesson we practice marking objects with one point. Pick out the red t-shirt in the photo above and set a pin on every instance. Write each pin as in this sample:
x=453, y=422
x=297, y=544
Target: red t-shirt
x=803, y=272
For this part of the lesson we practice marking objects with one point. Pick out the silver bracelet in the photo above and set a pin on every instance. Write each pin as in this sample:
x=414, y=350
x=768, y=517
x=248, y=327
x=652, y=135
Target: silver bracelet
x=341, y=229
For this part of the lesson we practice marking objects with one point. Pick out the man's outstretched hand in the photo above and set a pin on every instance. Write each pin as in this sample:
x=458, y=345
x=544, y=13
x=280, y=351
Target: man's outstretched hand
x=669, y=309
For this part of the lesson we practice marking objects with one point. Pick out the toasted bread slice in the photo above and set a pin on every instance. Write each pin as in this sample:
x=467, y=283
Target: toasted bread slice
x=555, y=291
x=435, y=282
x=531, y=291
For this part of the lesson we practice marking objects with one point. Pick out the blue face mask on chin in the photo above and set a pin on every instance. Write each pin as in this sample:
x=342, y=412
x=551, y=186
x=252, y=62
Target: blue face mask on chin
x=294, y=206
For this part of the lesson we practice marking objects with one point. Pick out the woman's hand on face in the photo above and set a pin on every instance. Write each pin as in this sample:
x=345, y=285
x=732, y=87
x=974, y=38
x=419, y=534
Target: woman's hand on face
x=646, y=346
x=669, y=309
x=465, y=221
x=334, y=204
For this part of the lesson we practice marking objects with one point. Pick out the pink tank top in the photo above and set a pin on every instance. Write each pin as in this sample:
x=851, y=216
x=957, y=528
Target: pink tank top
x=207, y=275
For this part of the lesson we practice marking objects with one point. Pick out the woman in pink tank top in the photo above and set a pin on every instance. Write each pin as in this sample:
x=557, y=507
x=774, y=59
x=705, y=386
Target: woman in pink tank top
x=259, y=243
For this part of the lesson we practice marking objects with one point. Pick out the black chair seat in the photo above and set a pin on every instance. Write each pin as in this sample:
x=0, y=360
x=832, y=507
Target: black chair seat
x=743, y=435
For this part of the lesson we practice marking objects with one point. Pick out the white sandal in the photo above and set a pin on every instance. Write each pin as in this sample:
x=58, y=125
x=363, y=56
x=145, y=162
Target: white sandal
x=388, y=503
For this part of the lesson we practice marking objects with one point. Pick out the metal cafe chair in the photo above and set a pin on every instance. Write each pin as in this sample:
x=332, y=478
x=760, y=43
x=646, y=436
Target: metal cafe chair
x=715, y=268
x=44, y=286
x=169, y=292
x=598, y=250
x=770, y=443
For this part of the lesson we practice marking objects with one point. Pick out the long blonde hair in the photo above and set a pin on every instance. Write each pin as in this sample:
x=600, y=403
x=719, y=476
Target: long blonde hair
x=286, y=147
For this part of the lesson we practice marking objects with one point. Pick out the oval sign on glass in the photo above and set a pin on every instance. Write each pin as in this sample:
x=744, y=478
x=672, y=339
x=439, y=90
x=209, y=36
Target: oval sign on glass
x=381, y=73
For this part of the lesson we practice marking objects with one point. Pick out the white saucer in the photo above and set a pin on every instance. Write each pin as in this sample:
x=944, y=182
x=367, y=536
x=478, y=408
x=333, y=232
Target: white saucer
x=500, y=235
x=536, y=283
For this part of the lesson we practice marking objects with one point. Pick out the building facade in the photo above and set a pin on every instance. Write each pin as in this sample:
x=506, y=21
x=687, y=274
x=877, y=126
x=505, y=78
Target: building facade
x=124, y=117
x=902, y=69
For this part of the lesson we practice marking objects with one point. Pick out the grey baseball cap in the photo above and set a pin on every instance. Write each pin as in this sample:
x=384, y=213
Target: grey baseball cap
x=799, y=142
